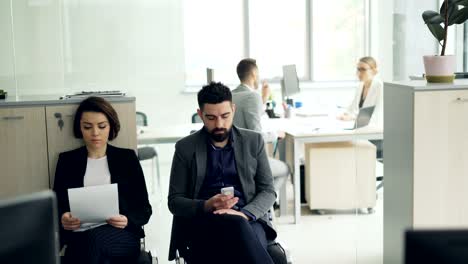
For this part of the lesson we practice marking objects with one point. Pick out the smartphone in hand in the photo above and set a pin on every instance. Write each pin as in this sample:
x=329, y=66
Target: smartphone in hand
x=228, y=191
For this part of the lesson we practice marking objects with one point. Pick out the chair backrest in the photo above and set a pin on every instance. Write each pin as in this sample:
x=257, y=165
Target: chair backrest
x=141, y=119
x=196, y=119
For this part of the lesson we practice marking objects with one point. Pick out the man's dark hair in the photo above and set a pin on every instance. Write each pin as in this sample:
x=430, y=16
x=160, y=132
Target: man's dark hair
x=213, y=93
x=97, y=105
x=245, y=68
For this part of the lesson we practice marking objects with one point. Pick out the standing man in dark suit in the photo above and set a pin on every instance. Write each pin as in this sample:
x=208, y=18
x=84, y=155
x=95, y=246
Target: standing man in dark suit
x=222, y=228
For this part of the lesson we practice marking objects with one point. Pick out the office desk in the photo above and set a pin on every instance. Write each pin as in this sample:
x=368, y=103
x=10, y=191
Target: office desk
x=298, y=131
x=297, y=134
x=171, y=134
x=166, y=134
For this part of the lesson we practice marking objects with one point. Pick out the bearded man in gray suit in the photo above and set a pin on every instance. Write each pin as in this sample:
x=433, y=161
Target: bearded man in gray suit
x=222, y=228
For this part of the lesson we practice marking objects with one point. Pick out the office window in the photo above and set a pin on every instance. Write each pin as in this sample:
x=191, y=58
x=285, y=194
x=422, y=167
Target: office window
x=278, y=35
x=214, y=38
x=324, y=39
x=338, y=33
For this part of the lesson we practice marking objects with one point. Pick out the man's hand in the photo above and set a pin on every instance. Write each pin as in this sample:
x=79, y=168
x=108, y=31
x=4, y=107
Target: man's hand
x=220, y=201
x=231, y=212
x=281, y=134
x=119, y=221
x=69, y=222
x=265, y=91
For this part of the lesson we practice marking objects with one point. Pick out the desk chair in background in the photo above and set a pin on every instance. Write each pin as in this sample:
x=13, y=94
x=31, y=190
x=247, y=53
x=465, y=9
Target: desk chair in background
x=148, y=153
x=196, y=119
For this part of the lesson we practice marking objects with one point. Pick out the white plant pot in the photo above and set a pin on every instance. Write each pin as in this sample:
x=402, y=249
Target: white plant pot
x=440, y=69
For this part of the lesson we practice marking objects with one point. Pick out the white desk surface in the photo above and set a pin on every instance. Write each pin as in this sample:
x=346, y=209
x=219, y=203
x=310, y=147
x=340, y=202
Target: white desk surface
x=298, y=130
x=165, y=134
x=299, y=127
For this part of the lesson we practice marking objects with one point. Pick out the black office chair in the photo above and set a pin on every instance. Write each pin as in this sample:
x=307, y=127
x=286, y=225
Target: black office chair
x=196, y=119
x=141, y=119
x=379, y=145
x=148, y=153
x=179, y=248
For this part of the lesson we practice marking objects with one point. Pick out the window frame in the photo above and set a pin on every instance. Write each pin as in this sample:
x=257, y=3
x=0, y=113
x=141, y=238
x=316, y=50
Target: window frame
x=308, y=78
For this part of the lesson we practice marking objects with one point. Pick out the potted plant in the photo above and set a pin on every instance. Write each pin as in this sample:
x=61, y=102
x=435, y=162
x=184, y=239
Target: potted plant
x=441, y=68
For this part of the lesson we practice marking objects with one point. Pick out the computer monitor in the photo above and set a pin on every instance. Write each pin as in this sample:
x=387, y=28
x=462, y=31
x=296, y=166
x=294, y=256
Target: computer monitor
x=364, y=116
x=209, y=75
x=436, y=246
x=290, y=82
x=28, y=229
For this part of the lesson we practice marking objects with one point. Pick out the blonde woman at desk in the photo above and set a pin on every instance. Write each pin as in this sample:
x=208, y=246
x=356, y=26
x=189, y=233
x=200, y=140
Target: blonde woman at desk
x=368, y=93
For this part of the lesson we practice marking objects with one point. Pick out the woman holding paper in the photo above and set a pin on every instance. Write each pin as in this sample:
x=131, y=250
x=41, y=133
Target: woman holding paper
x=99, y=163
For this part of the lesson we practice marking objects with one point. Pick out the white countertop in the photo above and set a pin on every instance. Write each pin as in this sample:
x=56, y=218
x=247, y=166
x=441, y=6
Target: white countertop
x=31, y=100
x=422, y=85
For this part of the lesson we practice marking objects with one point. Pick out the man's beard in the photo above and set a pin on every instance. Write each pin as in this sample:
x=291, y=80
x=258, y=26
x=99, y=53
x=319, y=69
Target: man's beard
x=221, y=136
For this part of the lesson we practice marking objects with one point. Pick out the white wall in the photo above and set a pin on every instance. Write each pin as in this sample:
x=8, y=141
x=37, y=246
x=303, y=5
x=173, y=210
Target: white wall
x=134, y=46
x=38, y=45
x=64, y=46
x=412, y=39
x=381, y=25
x=7, y=81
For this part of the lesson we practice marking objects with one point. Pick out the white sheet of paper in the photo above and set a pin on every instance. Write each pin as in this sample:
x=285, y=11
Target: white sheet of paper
x=94, y=204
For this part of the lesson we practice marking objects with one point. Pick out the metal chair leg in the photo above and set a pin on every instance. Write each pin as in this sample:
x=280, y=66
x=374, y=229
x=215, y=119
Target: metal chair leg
x=158, y=172
x=283, y=200
x=153, y=187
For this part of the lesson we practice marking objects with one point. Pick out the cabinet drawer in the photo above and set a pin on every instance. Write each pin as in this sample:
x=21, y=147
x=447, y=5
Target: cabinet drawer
x=23, y=151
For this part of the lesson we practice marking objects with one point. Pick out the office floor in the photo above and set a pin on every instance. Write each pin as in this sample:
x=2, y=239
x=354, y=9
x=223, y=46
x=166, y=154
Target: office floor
x=335, y=237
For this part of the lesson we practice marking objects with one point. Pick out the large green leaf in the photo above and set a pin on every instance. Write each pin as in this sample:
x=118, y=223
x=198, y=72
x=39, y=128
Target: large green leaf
x=432, y=17
x=461, y=2
x=461, y=16
x=437, y=31
x=452, y=9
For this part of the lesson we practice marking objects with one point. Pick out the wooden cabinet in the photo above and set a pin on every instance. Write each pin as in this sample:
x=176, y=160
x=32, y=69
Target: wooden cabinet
x=426, y=160
x=23, y=151
x=31, y=139
x=441, y=159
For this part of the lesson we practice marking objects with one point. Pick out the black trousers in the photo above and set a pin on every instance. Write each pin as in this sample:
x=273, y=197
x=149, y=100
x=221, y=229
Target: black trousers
x=103, y=244
x=228, y=239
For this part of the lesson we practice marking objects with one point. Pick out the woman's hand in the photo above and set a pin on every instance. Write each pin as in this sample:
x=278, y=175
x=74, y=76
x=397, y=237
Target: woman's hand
x=119, y=221
x=345, y=117
x=69, y=222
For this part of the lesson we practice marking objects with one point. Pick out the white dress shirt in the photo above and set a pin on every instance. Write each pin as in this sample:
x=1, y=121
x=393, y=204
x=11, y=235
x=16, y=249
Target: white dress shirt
x=97, y=172
x=374, y=98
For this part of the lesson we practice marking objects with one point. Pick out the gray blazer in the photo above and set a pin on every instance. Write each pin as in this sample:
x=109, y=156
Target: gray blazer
x=249, y=109
x=189, y=170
